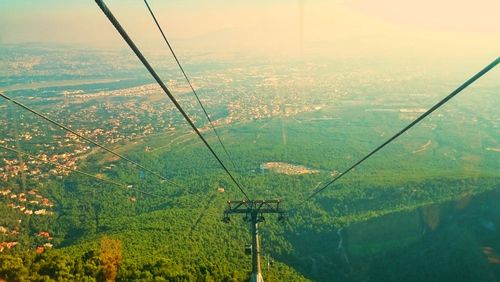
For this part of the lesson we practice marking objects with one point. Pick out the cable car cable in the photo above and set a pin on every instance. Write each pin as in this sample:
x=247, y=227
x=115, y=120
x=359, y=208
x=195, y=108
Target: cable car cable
x=413, y=123
x=190, y=84
x=153, y=73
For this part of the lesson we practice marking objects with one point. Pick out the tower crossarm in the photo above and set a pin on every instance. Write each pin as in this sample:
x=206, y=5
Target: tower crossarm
x=254, y=206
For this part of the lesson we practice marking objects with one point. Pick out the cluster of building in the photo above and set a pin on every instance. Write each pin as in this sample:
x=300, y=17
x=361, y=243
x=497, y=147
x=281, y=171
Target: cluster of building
x=29, y=203
x=286, y=168
x=44, y=240
x=61, y=165
x=7, y=245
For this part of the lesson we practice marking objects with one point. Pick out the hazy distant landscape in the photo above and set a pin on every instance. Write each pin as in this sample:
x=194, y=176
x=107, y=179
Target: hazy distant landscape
x=289, y=125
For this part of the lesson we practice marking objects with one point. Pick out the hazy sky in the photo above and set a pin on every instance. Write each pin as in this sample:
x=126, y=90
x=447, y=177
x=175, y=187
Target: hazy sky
x=275, y=27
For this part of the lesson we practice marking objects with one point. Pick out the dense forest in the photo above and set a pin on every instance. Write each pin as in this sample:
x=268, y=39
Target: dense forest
x=179, y=236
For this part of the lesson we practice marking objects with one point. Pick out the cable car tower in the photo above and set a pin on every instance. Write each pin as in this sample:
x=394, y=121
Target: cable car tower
x=254, y=211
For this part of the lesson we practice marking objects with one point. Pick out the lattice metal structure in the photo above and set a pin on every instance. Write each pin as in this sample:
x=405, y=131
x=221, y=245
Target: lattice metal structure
x=254, y=211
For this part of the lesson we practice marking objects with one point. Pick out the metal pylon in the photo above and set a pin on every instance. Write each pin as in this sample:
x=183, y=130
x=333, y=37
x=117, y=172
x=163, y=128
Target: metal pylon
x=254, y=211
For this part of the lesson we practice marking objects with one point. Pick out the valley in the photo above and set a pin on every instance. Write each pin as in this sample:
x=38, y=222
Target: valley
x=287, y=132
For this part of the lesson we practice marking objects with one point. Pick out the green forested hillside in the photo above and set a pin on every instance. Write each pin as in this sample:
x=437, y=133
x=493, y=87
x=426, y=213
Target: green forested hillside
x=178, y=235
